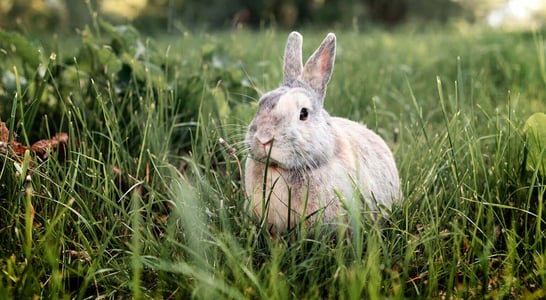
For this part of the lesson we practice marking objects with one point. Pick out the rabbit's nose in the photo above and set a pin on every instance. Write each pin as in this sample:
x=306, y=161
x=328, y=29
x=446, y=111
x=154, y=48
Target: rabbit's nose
x=264, y=141
x=266, y=144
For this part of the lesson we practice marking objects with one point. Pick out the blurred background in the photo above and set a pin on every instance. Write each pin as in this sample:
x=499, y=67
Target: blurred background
x=179, y=15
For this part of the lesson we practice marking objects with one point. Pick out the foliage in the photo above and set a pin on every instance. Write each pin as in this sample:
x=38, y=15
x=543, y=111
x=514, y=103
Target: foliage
x=145, y=203
x=115, y=62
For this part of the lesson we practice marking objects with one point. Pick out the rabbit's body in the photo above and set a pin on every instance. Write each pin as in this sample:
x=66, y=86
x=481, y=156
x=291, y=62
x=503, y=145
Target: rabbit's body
x=313, y=160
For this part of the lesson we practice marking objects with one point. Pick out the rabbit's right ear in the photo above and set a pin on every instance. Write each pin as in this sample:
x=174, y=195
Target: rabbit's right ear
x=293, y=66
x=318, y=68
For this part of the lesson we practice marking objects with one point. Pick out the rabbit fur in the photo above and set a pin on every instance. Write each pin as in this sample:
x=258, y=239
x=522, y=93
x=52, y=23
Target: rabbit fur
x=306, y=166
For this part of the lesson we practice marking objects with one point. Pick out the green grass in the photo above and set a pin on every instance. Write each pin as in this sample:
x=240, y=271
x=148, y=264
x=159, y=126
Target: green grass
x=147, y=204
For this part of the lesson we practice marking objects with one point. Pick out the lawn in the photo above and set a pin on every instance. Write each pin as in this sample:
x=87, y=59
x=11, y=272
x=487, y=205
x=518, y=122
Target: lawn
x=138, y=199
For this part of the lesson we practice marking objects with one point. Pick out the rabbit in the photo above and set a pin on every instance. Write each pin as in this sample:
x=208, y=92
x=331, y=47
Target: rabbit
x=304, y=165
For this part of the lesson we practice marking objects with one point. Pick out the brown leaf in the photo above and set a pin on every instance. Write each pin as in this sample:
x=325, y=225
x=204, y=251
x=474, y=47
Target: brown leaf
x=42, y=148
x=4, y=132
x=18, y=148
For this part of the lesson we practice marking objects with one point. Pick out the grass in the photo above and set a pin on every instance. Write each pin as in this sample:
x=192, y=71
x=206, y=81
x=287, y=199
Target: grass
x=147, y=204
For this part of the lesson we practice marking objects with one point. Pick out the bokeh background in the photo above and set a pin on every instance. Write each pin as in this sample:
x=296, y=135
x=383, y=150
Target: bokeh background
x=171, y=15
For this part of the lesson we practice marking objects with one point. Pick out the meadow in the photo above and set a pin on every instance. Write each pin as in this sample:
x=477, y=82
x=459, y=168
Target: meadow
x=142, y=201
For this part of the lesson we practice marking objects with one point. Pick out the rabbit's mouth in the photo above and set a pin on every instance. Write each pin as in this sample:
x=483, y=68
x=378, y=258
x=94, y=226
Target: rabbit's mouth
x=273, y=165
x=269, y=162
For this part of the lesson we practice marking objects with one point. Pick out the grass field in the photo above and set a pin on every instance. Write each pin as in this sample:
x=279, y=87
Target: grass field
x=143, y=202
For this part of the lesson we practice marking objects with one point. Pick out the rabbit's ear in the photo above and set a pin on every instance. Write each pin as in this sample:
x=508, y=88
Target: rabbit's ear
x=292, y=57
x=318, y=68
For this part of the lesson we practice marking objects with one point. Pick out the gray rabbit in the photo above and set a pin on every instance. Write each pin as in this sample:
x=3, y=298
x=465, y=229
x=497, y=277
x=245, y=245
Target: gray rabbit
x=317, y=165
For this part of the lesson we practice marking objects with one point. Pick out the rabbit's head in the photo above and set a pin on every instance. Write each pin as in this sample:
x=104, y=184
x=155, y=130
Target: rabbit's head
x=291, y=130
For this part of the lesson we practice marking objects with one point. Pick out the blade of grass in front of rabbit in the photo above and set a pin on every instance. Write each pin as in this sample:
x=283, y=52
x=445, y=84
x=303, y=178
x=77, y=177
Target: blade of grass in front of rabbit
x=318, y=210
x=345, y=205
x=356, y=223
x=289, y=211
x=266, y=198
x=377, y=210
x=265, y=204
x=304, y=216
x=266, y=169
x=351, y=208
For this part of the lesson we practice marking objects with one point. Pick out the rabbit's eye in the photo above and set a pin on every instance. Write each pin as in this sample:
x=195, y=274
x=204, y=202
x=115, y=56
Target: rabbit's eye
x=304, y=113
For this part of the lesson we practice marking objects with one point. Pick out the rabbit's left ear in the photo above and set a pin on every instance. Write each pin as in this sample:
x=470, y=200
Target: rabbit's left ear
x=318, y=68
x=292, y=57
